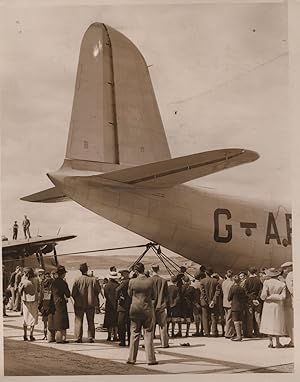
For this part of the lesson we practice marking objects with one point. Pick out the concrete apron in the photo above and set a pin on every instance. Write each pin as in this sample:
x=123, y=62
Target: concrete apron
x=204, y=355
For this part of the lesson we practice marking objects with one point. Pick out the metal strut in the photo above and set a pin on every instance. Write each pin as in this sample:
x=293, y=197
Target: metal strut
x=171, y=266
x=163, y=257
x=167, y=262
x=148, y=246
x=171, y=273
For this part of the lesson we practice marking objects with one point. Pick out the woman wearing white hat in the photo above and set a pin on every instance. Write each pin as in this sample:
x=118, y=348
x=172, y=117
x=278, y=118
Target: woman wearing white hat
x=111, y=314
x=273, y=319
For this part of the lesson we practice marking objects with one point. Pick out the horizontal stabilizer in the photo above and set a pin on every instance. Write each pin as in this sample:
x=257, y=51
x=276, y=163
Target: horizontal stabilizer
x=51, y=195
x=176, y=171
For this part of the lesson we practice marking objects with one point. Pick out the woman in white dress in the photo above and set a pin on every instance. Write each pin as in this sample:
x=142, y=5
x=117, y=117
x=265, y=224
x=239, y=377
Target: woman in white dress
x=29, y=290
x=273, y=319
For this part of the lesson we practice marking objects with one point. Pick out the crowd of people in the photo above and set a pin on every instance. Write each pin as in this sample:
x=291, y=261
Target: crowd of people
x=248, y=304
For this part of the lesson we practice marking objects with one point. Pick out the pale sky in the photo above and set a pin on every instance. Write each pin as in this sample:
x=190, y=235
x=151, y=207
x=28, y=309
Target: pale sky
x=222, y=68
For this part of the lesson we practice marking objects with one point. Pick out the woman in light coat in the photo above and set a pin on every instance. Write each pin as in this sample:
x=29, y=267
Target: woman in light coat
x=29, y=288
x=273, y=318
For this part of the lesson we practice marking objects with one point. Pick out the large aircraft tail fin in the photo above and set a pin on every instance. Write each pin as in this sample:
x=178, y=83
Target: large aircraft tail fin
x=115, y=117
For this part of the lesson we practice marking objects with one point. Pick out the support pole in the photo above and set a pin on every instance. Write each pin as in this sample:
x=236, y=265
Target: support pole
x=38, y=258
x=55, y=256
x=170, y=261
x=42, y=263
x=158, y=254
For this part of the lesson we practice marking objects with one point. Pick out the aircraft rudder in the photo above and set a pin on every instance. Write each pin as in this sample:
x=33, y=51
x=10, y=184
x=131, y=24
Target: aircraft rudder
x=115, y=116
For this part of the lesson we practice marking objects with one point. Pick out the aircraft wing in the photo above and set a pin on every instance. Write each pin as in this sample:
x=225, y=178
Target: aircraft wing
x=11, y=246
x=171, y=172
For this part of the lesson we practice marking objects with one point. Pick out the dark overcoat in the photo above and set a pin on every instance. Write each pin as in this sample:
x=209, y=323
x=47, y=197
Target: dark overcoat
x=111, y=314
x=188, y=294
x=124, y=300
x=59, y=320
x=238, y=298
x=174, y=302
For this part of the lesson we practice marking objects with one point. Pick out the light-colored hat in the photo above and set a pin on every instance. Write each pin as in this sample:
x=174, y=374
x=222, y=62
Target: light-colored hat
x=287, y=264
x=113, y=275
x=272, y=272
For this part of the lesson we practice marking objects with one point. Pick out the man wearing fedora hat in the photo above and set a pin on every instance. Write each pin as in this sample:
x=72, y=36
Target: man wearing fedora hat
x=287, y=274
x=85, y=293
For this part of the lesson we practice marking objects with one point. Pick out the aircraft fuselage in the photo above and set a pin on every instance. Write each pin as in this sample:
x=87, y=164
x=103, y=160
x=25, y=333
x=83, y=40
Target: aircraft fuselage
x=205, y=227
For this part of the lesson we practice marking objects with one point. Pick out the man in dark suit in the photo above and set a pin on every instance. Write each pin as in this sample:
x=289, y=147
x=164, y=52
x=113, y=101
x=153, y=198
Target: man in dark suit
x=11, y=286
x=85, y=294
x=123, y=306
x=210, y=290
x=238, y=298
x=15, y=230
x=160, y=305
x=18, y=277
x=5, y=293
x=253, y=287
x=141, y=290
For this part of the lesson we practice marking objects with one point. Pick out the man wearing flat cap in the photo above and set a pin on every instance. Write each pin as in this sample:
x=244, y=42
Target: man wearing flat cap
x=85, y=293
x=287, y=274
